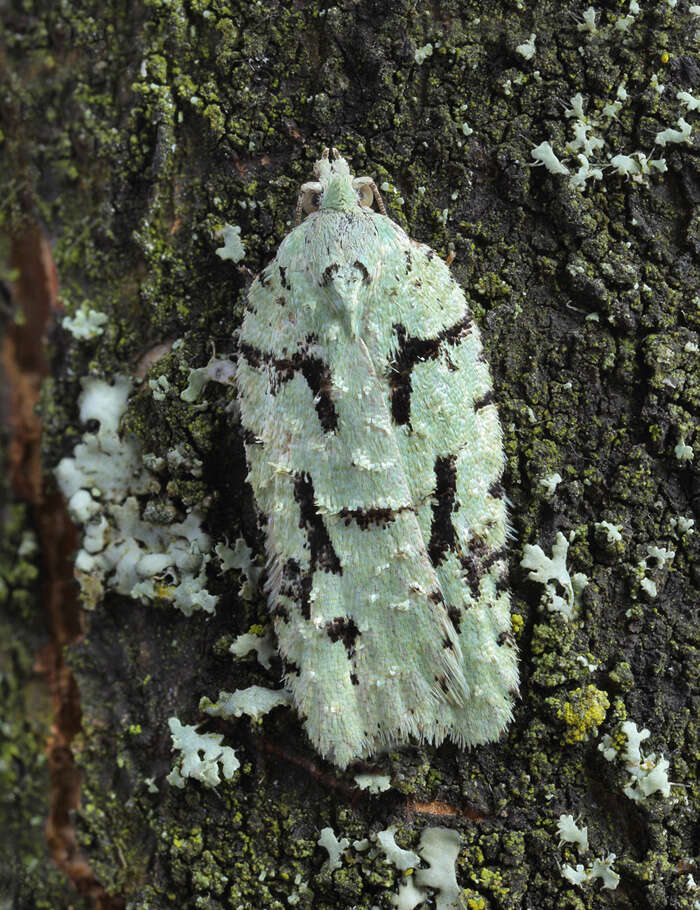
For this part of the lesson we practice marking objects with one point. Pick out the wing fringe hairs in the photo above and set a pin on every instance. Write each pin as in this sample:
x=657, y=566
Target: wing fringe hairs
x=375, y=455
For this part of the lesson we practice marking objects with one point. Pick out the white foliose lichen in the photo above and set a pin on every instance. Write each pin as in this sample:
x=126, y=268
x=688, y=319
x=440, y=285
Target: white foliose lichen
x=600, y=868
x=233, y=247
x=690, y=101
x=612, y=532
x=203, y=757
x=683, y=524
x=589, y=21
x=334, y=847
x=422, y=53
x=439, y=848
x=241, y=559
x=527, y=48
x=589, y=155
x=125, y=545
x=217, y=369
x=255, y=701
x=86, y=324
x=670, y=136
x=570, y=833
x=544, y=154
x=374, y=783
x=550, y=483
x=553, y=571
x=648, y=774
x=263, y=645
x=683, y=451
x=654, y=562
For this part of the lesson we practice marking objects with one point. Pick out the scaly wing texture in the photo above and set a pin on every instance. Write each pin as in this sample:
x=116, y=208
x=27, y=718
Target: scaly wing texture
x=374, y=457
x=449, y=435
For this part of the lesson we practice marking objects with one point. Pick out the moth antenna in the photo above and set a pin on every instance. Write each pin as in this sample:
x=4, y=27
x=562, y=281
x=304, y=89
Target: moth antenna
x=336, y=154
x=377, y=197
x=297, y=215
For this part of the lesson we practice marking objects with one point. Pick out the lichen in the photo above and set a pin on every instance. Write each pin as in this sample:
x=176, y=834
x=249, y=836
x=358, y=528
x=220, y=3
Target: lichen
x=583, y=713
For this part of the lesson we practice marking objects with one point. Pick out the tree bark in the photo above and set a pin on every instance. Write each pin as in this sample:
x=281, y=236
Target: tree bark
x=132, y=132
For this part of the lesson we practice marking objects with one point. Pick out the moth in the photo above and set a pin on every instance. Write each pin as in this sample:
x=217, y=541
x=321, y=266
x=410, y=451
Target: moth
x=375, y=456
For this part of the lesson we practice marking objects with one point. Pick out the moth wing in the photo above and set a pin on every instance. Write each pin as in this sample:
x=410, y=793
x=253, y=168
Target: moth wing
x=357, y=605
x=449, y=435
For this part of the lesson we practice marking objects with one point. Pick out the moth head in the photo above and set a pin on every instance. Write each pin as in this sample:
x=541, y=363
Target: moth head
x=335, y=188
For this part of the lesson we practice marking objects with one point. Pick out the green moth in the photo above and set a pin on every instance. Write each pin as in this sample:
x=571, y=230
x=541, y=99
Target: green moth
x=375, y=455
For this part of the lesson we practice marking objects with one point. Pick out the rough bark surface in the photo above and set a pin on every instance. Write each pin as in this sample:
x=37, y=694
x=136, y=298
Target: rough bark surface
x=131, y=133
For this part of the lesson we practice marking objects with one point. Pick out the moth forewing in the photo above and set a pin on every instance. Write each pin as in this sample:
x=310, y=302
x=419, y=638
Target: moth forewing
x=375, y=457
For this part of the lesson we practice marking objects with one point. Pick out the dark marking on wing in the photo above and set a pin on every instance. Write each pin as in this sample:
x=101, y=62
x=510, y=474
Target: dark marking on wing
x=250, y=439
x=496, y=490
x=323, y=556
x=361, y=267
x=328, y=274
x=312, y=368
x=251, y=355
x=453, y=612
x=318, y=378
x=442, y=682
x=369, y=518
x=442, y=532
x=478, y=561
x=486, y=399
x=455, y=617
x=410, y=351
x=501, y=584
x=283, y=278
x=506, y=638
x=472, y=565
x=279, y=611
x=354, y=679
x=493, y=557
x=281, y=300
x=343, y=629
x=296, y=584
x=264, y=277
x=290, y=668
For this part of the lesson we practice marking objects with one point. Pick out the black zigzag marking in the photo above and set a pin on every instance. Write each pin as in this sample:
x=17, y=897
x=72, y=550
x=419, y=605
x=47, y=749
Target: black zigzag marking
x=486, y=399
x=343, y=629
x=297, y=586
x=442, y=532
x=410, y=351
x=313, y=369
x=322, y=553
x=367, y=519
x=477, y=562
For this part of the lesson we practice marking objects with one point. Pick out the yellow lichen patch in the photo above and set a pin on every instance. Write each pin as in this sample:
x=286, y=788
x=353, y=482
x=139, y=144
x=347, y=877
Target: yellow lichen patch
x=583, y=713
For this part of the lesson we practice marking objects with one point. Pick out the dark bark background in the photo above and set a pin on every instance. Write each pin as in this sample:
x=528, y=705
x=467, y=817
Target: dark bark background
x=131, y=133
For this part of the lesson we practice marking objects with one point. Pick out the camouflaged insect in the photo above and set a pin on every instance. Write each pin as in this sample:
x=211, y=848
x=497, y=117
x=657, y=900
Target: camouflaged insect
x=375, y=456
